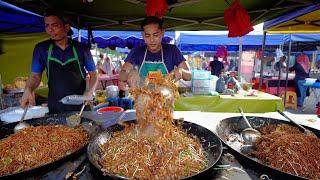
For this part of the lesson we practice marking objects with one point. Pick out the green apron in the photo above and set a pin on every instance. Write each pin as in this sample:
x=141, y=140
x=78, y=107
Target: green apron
x=149, y=66
x=64, y=78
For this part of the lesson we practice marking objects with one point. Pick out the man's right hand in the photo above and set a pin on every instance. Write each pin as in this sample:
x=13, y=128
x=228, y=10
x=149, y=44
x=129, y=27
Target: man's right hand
x=123, y=86
x=27, y=99
x=133, y=78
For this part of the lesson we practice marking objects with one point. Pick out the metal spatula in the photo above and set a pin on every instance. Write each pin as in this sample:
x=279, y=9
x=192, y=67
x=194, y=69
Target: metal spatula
x=21, y=124
x=75, y=119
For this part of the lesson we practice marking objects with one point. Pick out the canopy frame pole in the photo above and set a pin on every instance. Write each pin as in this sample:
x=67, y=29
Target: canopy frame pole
x=279, y=78
x=267, y=11
x=79, y=29
x=240, y=58
x=137, y=2
x=79, y=35
x=288, y=60
x=262, y=63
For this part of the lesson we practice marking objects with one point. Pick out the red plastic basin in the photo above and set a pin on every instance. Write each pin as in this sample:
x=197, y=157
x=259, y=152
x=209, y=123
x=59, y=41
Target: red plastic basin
x=111, y=109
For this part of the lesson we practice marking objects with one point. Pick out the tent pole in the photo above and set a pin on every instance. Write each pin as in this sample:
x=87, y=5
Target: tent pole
x=279, y=81
x=240, y=59
x=288, y=60
x=261, y=66
x=79, y=33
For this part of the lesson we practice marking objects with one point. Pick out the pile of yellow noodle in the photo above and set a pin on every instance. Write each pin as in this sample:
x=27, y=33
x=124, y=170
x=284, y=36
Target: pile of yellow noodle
x=287, y=149
x=36, y=146
x=153, y=148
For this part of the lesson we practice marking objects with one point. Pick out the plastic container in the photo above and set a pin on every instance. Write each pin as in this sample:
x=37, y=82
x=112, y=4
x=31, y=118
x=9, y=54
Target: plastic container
x=201, y=90
x=111, y=109
x=310, y=81
x=213, y=83
x=75, y=99
x=220, y=85
x=201, y=74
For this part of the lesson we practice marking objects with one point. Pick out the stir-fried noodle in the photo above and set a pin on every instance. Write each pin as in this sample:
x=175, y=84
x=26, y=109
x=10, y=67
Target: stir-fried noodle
x=153, y=148
x=285, y=148
x=36, y=146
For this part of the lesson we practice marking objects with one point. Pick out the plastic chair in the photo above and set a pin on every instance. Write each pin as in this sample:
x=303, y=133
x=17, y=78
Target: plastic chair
x=291, y=100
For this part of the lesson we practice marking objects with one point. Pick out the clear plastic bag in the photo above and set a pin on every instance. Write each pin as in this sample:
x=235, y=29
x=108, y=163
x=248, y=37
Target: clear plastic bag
x=75, y=99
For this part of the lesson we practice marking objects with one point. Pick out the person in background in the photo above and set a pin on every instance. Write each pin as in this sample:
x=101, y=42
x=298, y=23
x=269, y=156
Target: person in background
x=302, y=70
x=204, y=63
x=216, y=67
x=232, y=65
x=105, y=65
x=154, y=56
x=281, y=66
x=66, y=62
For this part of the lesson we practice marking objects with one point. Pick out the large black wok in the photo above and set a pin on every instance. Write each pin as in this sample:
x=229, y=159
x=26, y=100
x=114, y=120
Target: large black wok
x=212, y=145
x=229, y=132
x=58, y=119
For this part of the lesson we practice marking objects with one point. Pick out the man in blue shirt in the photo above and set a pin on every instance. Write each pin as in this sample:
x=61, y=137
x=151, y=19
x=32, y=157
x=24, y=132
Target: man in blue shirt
x=66, y=62
x=155, y=56
x=216, y=67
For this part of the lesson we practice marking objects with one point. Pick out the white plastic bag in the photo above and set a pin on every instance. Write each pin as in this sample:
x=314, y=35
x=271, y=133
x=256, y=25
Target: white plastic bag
x=75, y=99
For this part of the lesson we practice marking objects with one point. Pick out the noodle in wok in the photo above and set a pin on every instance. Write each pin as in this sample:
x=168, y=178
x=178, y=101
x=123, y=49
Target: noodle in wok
x=153, y=148
x=287, y=149
x=35, y=146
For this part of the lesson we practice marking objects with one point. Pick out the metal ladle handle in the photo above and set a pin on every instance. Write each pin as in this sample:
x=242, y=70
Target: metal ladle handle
x=244, y=117
x=24, y=114
x=284, y=115
x=82, y=108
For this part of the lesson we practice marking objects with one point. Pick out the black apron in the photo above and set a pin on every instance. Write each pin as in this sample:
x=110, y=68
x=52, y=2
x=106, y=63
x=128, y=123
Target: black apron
x=64, y=78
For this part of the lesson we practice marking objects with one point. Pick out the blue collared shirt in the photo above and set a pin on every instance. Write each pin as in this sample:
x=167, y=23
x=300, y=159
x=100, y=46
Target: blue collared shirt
x=40, y=55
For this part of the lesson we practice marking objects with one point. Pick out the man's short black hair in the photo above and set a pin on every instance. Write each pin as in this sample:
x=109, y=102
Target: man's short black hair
x=152, y=20
x=58, y=13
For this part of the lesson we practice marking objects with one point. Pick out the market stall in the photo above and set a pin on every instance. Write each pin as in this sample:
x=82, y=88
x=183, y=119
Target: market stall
x=82, y=166
x=304, y=21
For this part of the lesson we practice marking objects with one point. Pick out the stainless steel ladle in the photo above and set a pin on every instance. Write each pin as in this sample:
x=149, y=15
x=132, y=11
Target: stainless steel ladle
x=21, y=124
x=249, y=135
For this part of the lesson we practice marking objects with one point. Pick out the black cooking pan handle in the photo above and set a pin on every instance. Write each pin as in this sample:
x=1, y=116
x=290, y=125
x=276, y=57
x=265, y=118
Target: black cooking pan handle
x=79, y=169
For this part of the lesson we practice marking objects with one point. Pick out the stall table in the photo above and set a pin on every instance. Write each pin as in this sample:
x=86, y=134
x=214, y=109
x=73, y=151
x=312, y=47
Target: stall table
x=261, y=102
x=104, y=79
x=271, y=85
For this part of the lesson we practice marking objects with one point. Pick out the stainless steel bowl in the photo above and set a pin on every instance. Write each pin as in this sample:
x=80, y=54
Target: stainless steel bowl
x=112, y=91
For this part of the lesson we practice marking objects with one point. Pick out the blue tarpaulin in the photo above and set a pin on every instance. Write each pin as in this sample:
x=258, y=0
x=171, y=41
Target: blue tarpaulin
x=118, y=38
x=196, y=42
x=17, y=20
x=301, y=37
